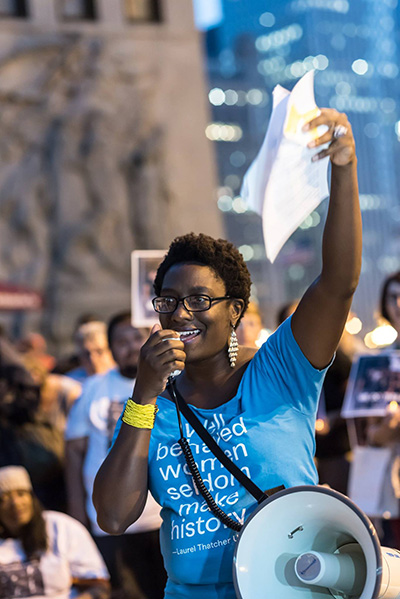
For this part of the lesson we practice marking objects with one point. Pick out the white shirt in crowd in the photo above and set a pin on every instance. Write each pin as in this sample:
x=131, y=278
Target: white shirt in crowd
x=71, y=554
x=94, y=415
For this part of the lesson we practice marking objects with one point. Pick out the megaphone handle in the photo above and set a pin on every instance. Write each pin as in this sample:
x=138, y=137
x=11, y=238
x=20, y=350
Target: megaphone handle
x=270, y=492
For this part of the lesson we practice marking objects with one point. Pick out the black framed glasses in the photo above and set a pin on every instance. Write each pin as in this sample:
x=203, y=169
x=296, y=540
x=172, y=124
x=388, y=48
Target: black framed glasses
x=192, y=303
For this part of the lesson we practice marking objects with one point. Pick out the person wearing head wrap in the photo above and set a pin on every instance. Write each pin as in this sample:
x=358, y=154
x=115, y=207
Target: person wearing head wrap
x=44, y=553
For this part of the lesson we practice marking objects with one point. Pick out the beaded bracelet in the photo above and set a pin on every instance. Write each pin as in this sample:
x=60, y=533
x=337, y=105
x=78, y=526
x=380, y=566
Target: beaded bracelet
x=138, y=415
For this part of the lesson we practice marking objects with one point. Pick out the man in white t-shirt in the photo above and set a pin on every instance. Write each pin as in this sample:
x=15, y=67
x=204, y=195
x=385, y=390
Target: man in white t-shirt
x=90, y=428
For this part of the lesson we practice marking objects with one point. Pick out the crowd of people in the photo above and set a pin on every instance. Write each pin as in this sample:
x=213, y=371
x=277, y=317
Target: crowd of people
x=57, y=421
x=95, y=465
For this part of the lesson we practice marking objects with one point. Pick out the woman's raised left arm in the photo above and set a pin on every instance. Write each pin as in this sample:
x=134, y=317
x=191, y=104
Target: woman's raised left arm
x=319, y=319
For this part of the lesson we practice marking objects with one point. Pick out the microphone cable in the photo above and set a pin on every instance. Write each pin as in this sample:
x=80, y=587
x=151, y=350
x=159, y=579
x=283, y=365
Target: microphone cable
x=194, y=471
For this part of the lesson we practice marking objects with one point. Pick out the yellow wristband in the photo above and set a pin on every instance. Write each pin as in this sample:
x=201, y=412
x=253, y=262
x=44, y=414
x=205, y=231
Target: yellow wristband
x=138, y=415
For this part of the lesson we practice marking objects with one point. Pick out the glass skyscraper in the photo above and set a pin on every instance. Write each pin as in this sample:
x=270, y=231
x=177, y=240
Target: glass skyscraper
x=353, y=45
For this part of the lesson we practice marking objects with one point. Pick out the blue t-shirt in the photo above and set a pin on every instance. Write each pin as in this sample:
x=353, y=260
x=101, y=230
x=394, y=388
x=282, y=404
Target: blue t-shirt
x=267, y=429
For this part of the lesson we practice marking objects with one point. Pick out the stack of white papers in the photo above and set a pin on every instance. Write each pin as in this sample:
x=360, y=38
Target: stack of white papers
x=283, y=185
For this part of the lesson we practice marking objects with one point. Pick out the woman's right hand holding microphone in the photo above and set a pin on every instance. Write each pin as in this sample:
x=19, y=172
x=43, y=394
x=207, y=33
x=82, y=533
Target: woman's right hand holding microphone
x=161, y=355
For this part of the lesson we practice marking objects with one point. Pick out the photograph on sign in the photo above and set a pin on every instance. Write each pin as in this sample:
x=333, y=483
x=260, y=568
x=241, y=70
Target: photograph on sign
x=144, y=264
x=374, y=383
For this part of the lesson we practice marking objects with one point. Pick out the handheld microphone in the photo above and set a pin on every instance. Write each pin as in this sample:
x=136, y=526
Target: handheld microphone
x=175, y=372
x=173, y=375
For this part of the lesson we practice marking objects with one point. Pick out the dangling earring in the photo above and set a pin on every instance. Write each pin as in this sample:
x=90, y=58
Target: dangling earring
x=233, y=348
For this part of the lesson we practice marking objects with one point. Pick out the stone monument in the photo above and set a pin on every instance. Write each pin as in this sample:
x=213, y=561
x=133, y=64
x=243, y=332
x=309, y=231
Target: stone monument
x=102, y=150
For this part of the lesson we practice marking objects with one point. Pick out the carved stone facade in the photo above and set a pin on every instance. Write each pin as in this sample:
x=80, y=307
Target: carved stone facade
x=102, y=151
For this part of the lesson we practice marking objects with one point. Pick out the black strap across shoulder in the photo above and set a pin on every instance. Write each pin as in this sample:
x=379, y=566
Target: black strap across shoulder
x=203, y=433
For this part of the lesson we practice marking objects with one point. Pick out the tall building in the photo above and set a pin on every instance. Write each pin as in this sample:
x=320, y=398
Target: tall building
x=354, y=48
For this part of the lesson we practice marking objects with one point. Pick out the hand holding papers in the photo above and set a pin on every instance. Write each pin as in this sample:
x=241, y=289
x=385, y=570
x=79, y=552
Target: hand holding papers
x=283, y=184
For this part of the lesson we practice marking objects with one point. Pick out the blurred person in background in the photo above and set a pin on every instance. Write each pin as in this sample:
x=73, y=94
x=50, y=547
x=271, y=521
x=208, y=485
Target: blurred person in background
x=92, y=351
x=134, y=558
x=41, y=439
x=74, y=361
x=57, y=392
x=385, y=432
x=34, y=346
x=250, y=327
x=19, y=400
x=390, y=304
x=26, y=438
x=44, y=553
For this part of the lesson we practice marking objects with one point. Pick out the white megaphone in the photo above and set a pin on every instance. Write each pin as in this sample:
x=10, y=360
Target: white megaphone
x=311, y=543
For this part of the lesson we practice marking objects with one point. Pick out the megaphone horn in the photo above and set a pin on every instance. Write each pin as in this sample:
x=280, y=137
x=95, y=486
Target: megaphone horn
x=312, y=543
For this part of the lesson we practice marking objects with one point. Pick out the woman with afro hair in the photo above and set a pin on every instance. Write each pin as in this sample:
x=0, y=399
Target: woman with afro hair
x=259, y=406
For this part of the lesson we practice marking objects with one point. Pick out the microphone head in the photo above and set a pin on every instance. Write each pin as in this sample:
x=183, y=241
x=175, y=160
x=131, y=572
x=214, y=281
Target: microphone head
x=174, y=374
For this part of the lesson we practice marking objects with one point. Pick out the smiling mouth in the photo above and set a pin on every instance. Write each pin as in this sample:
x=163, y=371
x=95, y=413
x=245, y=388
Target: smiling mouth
x=186, y=336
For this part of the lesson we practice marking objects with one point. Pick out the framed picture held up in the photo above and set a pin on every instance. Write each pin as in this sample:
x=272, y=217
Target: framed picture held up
x=373, y=391
x=144, y=264
x=374, y=383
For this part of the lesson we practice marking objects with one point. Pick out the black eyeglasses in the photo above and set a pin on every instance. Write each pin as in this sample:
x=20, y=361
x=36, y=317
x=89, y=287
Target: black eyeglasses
x=192, y=303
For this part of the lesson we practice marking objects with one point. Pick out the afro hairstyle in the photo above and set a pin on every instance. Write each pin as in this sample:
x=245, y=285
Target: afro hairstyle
x=218, y=254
